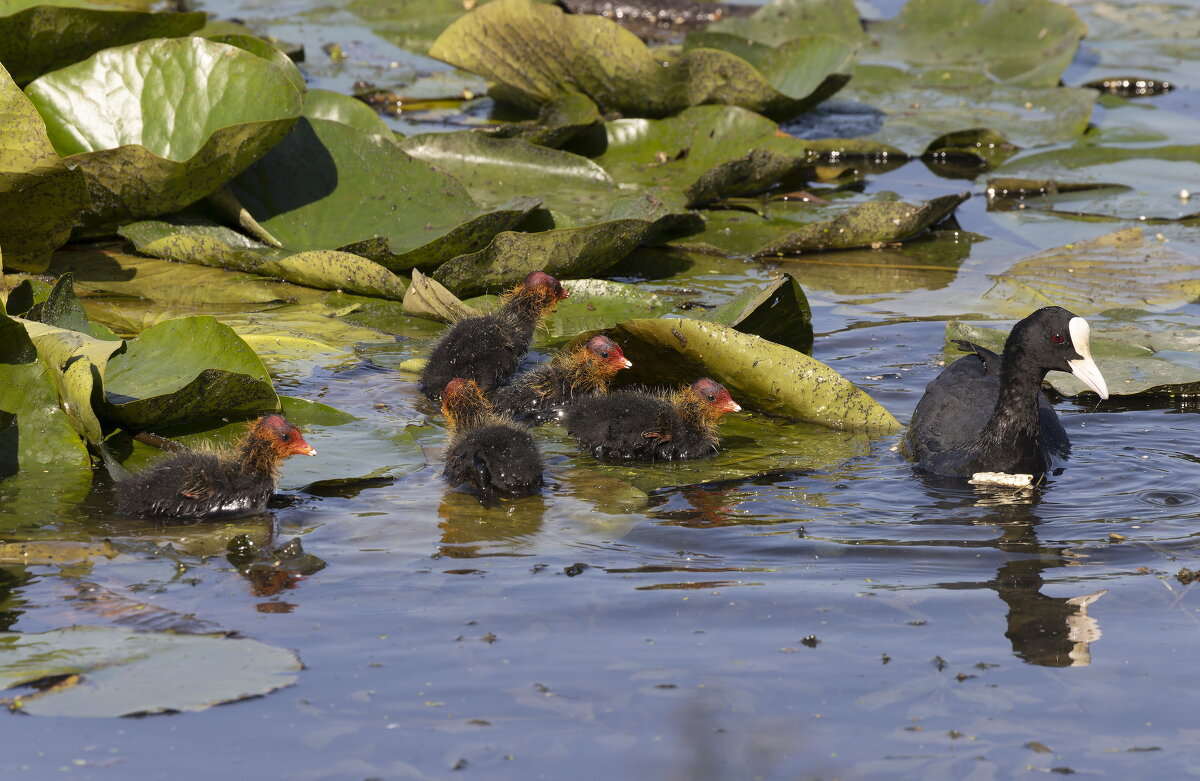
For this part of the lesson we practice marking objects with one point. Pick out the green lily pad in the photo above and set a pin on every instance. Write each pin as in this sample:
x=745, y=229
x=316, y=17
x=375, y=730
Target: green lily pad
x=566, y=253
x=268, y=52
x=1138, y=183
x=913, y=109
x=784, y=20
x=190, y=369
x=336, y=107
x=778, y=312
x=758, y=373
x=319, y=189
x=966, y=153
x=867, y=224
x=1120, y=269
x=118, y=124
x=204, y=243
x=534, y=53
x=1027, y=42
x=115, y=672
x=705, y=153
x=63, y=309
x=35, y=433
x=40, y=197
x=1133, y=359
x=40, y=37
x=576, y=190
x=559, y=120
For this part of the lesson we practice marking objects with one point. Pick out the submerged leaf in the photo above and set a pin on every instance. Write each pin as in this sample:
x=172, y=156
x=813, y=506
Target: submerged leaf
x=758, y=373
x=114, y=672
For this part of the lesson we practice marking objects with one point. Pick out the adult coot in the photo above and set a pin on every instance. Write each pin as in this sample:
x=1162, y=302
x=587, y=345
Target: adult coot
x=637, y=425
x=198, y=484
x=540, y=394
x=986, y=412
x=488, y=349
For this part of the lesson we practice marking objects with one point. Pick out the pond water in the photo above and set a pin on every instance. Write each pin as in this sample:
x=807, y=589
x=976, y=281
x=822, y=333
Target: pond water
x=835, y=620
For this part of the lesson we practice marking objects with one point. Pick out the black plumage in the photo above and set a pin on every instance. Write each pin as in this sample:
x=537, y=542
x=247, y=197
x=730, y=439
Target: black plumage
x=487, y=451
x=196, y=484
x=986, y=412
x=642, y=426
x=488, y=349
x=542, y=393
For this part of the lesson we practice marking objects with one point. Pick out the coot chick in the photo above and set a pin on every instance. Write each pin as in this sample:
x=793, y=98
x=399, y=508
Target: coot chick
x=637, y=425
x=488, y=349
x=488, y=451
x=541, y=394
x=197, y=484
x=986, y=412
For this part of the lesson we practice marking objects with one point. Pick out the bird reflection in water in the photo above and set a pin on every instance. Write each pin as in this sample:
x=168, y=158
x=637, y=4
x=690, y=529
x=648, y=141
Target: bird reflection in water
x=1043, y=630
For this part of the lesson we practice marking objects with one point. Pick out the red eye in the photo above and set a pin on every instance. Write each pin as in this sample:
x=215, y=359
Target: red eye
x=1058, y=338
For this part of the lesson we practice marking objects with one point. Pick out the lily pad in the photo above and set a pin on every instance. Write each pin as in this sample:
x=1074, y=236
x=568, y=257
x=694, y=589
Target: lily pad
x=1133, y=359
x=209, y=244
x=1026, y=42
x=336, y=107
x=1121, y=269
x=114, y=117
x=534, y=53
x=867, y=224
x=34, y=431
x=319, y=189
x=40, y=197
x=185, y=370
x=778, y=312
x=40, y=37
x=705, y=153
x=109, y=672
x=566, y=253
x=966, y=153
x=428, y=298
x=1139, y=182
x=759, y=373
x=558, y=121
x=783, y=20
x=910, y=110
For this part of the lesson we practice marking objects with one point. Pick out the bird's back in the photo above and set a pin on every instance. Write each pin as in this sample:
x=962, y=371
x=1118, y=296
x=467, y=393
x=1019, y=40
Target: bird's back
x=483, y=349
x=498, y=458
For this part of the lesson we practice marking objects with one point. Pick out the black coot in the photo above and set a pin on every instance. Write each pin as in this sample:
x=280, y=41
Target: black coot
x=488, y=451
x=986, y=412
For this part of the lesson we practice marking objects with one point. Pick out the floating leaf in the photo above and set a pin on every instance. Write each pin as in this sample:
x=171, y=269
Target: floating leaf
x=534, y=53
x=867, y=224
x=319, y=189
x=758, y=373
x=565, y=254
x=186, y=370
x=428, y=298
x=40, y=198
x=209, y=244
x=1094, y=275
x=46, y=37
x=1027, y=42
x=705, y=153
x=965, y=153
x=336, y=107
x=114, y=672
x=778, y=312
x=558, y=121
x=1133, y=359
x=784, y=20
x=158, y=125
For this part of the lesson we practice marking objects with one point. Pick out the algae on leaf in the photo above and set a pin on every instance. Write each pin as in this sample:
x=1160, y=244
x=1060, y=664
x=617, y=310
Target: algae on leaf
x=157, y=125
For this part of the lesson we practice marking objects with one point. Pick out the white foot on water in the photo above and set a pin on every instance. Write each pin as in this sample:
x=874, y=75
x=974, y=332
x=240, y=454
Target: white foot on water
x=1001, y=478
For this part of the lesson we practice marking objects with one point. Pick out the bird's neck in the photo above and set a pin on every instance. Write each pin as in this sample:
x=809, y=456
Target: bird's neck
x=583, y=372
x=526, y=307
x=695, y=411
x=259, y=457
x=1015, y=424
